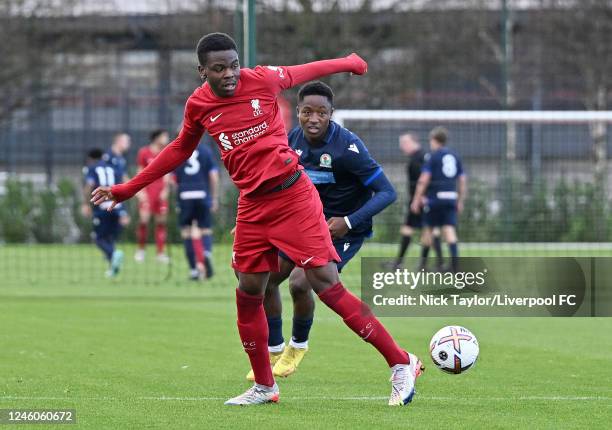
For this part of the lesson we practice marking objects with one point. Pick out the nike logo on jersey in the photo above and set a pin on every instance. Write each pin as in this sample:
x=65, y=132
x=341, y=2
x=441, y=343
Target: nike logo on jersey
x=353, y=147
x=347, y=245
x=305, y=262
x=214, y=118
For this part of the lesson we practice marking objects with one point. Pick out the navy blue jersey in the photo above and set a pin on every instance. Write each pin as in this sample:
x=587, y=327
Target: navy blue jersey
x=193, y=175
x=445, y=168
x=349, y=181
x=102, y=174
x=118, y=163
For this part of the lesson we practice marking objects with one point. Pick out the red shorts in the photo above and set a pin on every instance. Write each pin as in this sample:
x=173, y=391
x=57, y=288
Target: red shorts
x=290, y=220
x=155, y=206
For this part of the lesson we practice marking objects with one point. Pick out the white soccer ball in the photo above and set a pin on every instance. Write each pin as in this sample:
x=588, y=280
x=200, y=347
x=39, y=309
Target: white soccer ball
x=454, y=349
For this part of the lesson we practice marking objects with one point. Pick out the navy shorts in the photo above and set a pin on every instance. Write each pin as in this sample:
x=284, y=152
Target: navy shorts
x=413, y=220
x=346, y=248
x=439, y=215
x=194, y=210
x=106, y=224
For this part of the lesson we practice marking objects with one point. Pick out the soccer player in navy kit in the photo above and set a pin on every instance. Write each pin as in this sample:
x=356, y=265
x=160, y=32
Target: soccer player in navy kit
x=107, y=226
x=115, y=156
x=352, y=187
x=444, y=185
x=198, y=183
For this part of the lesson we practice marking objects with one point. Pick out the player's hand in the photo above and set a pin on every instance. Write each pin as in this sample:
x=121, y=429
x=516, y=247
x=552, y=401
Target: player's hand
x=337, y=227
x=101, y=195
x=459, y=206
x=86, y=210
x=360, y=67
x=415, y=207
x=214, y=206
x=233, y=231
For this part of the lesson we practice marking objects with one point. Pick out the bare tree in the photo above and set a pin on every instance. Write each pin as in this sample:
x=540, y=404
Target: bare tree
x=579, y=38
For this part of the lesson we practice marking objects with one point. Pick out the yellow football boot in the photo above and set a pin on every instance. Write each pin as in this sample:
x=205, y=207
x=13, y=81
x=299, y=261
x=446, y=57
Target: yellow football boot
x=289, y=361
x=274, y=357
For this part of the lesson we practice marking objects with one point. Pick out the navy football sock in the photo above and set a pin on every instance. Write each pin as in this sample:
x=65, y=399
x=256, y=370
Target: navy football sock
x=403, y=247
x=106, y=246
x=190, y=253
x=301, y=329
x=207, y=242
x=437, y=246
x=275, y=328
x=454, y=252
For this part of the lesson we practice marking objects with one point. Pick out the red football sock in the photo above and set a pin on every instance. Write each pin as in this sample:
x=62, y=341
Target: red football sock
x=253, y=329
x=142, y=235
x=198, y=249
x=160, y=237
x=360, y=319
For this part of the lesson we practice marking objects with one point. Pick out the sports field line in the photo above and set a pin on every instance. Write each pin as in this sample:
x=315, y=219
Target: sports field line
x=326, y=398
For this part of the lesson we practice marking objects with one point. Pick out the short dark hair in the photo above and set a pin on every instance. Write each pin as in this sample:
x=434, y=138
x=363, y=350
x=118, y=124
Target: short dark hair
x=316, y=88
x=156, y=133
x=214, y=42
x=439, y=134
x=94, y=154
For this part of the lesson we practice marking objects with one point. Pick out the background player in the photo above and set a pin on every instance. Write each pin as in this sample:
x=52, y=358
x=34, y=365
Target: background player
x=444, y=184
x=107, y=225
x=409, y=144
x=278, y=208
x=115, y=156
x=153, y=200
x=352, y=187
x=198, y=184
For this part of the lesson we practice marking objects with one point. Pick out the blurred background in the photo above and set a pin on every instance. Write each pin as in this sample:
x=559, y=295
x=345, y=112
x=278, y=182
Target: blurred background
x=75, y=73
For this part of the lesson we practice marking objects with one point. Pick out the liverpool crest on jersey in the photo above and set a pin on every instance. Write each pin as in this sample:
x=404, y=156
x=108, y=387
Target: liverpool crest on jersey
x=256, y=108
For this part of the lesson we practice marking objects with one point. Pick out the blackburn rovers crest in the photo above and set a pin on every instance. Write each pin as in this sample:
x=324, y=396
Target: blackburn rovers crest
x=326, y=161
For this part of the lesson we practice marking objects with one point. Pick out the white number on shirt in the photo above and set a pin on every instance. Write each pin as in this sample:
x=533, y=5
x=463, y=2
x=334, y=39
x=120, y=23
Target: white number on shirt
x=449, y=166
x=193, y=164
x=106, y=176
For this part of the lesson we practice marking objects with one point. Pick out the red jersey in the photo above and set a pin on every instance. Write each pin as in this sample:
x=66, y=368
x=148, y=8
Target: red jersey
x=144, y=157
x=247, y=127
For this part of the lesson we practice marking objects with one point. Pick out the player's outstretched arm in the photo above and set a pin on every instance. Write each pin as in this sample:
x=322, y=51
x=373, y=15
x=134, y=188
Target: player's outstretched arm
x=384, y=195
x=296, y=75
x=169, y=159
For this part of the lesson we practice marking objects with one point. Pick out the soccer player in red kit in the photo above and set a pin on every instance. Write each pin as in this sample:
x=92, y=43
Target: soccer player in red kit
x=278, y=208
x=153, y=200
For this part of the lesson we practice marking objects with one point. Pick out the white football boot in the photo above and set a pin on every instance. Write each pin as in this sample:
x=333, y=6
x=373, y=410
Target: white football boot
x=256, y=395
x=403, y=378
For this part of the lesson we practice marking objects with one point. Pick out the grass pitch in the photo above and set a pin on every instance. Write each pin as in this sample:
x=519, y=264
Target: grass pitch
x=166, y=354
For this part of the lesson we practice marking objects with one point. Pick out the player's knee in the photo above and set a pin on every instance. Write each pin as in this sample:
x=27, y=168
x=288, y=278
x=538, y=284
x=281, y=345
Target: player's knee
x=298, y=286
x=450, y=234
x=252, y=283
x=406, y=230
x=185, y=232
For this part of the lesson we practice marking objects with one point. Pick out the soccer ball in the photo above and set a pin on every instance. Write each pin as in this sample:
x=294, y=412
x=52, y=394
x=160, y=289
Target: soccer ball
x=454, y=349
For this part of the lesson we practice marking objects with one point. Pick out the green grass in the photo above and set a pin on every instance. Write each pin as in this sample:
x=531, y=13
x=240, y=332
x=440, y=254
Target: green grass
x=165, y=354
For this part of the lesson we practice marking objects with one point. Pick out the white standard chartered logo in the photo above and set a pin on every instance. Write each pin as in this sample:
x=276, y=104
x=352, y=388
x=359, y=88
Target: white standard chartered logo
x=238, y=138
x=224, y=141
